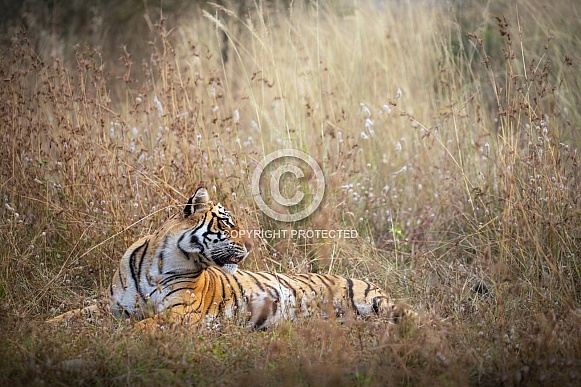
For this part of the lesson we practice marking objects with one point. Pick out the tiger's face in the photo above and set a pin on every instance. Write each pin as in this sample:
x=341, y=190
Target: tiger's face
x=213, y=234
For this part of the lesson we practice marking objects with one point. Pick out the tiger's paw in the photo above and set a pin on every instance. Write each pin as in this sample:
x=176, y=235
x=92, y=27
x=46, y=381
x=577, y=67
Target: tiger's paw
x=89, y=313
x=148, y=325
x=167, y=320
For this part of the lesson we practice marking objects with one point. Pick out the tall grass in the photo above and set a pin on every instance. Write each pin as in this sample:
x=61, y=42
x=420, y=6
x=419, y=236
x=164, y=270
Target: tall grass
x=448, y=139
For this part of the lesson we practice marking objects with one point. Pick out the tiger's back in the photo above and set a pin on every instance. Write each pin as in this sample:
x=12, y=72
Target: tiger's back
x=262, y=299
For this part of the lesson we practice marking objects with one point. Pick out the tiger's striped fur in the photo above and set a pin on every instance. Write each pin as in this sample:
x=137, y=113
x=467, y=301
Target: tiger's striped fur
x=186, y=272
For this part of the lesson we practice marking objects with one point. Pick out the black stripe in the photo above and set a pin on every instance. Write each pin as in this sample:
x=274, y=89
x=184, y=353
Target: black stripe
x=193, y=239
x=132, y=267
x=186, y=305
x=233, y=294
x=266, y=276
x=256, y=281
x=275, y=295
x=174, y=291
x=223, y=302
x=188, y=207
x=214, y=279
x=239, y=273
x=181, y=304
x=308, y=283
x=375, y=303
x=331, y=279
x=181, y=280
x=323, y=279
x=141, y=266
x=121, y=280
x=208, y=228
x=287, y=284
x=350, y=293
x=275, y=307
x=367, y=289
x=184, y=252
x=268, y=285
x=189, y=275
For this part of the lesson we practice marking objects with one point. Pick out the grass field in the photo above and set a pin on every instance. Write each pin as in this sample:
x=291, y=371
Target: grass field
x=448, y=136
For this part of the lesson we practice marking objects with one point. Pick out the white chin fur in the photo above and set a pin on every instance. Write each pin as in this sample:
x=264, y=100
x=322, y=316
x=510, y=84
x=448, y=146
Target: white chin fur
x=230, y=268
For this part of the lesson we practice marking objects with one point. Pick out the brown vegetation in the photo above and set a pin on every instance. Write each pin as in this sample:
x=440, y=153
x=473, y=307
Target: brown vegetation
x=464, y=186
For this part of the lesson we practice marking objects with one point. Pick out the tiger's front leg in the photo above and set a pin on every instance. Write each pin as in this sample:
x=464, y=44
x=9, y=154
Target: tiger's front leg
x=177, y=315
x=189, y=305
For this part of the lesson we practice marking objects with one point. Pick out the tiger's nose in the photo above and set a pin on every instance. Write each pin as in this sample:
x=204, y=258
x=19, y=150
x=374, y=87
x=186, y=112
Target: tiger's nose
x=248, y=245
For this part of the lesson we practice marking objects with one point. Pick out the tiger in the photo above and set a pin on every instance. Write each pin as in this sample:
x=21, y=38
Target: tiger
x=187, y=273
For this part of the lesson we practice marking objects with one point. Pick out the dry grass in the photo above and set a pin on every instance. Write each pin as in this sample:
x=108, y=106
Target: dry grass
x=465, y=189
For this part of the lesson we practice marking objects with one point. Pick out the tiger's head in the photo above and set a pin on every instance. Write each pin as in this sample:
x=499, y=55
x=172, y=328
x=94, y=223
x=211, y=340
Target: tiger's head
x=212, y=233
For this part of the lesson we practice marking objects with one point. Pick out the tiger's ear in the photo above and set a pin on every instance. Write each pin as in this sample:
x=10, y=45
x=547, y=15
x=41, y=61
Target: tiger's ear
x=198, y=202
